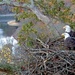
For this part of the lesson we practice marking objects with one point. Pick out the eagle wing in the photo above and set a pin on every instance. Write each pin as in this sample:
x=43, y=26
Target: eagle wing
x=72, y=41
x=72, y=33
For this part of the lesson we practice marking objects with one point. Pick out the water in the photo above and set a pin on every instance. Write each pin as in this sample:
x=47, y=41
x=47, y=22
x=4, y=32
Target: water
x=6, y=37
x=6, y=17
x=7, y=31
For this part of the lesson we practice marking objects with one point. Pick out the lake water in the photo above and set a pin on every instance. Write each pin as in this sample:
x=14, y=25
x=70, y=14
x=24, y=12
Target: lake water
x=6, y=37
x=7, y=31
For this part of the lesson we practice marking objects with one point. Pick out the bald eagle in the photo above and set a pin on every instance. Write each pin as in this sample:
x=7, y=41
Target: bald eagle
x=69, y=30
x=69, y=41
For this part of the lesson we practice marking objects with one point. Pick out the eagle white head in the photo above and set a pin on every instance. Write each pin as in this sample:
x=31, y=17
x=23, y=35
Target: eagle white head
x=66, y=35
x=67, y=28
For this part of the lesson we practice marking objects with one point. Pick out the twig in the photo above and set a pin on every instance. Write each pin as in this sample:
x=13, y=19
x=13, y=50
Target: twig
x=50, y=43
x=42, y=43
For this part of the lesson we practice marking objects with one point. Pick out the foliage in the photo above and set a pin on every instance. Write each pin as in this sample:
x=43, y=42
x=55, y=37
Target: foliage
x=24, y=35
x=7, y=67
x=10, y=69
x=40, y=61
x=1, y=0
x=73, y=1
x=56, y=9
x=6, y=54
x=26, y=14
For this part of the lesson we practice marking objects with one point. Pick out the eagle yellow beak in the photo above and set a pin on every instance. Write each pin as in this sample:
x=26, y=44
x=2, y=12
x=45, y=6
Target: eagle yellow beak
x=62, y=34
x=64, y=27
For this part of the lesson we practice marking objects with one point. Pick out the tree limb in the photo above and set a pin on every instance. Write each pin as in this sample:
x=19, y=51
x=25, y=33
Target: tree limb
x=42, y=43
x=45, y=19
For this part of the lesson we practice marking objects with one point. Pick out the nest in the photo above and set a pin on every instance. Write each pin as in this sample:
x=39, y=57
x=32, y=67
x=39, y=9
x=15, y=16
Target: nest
x=55, y=60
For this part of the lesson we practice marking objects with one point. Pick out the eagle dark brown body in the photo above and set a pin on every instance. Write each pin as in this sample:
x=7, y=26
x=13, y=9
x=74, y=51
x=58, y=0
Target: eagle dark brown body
x=71, y=33
x=70, y=43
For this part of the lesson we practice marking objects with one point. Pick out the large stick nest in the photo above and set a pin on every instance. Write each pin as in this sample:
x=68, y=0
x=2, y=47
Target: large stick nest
x=52, y=61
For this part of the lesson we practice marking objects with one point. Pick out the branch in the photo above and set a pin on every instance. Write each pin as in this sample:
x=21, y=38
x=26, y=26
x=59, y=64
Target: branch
x=52, y=42
x=45, y=19
x=42, y=43
x=31, y=6
x=40, y=16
